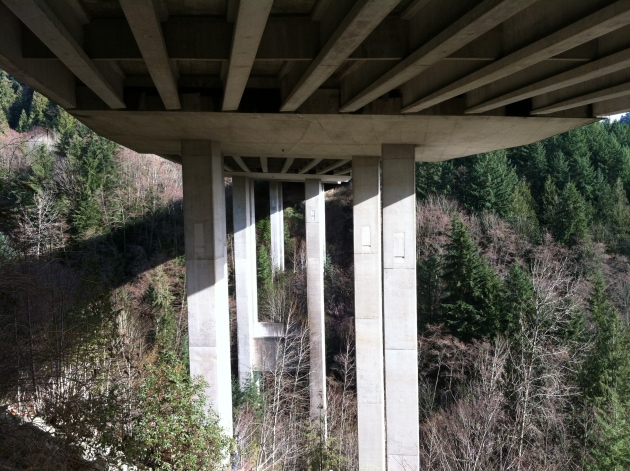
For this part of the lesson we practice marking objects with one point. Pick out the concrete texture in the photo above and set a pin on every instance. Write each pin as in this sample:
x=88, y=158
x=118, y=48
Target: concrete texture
x=276, y=216
x=315, y=218
x=400, y=307
x=206, y=274
x=245, y=273
x=368, y=308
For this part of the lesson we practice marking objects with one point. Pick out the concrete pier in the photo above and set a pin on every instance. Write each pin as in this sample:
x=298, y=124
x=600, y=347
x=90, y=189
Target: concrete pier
x=316, y=256
x=366, y=187
x=245, y=273
x=276, y=216
x=206, y=273
x=400, y=308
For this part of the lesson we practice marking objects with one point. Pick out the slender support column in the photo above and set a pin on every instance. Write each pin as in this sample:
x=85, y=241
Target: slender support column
x=245, y=274
x=206, y=273
x=400, y=309
x=276, y=208
x=368, y=311
x=315, y=252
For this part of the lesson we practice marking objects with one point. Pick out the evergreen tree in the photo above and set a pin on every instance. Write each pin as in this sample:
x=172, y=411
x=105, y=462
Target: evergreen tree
x=24, y=124
x=37, y=113
x=490, y=183
x=517, y=299
x=429, y=275
x=523, y=214
x=472, y=289
x=549, y=202
x=571, y=223
x=559, y=168
x=531, y=164
x=434, y=178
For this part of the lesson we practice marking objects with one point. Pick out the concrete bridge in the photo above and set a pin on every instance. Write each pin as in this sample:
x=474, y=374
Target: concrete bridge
x=320, y=91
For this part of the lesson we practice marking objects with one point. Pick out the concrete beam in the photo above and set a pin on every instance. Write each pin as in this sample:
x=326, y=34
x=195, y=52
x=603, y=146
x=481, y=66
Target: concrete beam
x=42, y=21
x=206, y=273
x=51, y=78
x=288, y=177
x=586, y=99
x=331, y=167
x=608, y=107
x=310, y=165
x=362, y=19
x=287, y=165
x=250, y=25
x=276, y=220
x=264, y=164
x=146, y=28
x=245, y=274
x=472, y=25
x=400, y=307
x=595, y=69
x=603, y=21
x=368, y=312
x=241, y=163
x=315, y=217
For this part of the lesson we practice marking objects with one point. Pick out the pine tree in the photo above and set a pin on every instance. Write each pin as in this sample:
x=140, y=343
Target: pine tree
x=489, y=183
x=523, y=214
x=37, y=112
x=429, y=284
x=472, y=289
x=433, y=178
x=559, y=168
x=517, y=300
x=24, y=124
x=549, y=202
x=571, y=222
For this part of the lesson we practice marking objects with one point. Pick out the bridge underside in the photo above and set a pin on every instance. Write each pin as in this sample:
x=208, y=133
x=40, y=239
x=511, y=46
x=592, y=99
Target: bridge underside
x=320, y=91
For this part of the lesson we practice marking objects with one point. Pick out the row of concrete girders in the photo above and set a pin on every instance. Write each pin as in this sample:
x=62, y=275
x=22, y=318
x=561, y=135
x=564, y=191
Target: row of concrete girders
x=385, y=293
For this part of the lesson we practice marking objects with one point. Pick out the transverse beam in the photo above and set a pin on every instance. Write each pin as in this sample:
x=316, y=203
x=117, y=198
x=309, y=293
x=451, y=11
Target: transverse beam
x=147, y=30
x=356, y=26
x=250, y=25
x=473, y=24
x=41, y=20
x=593, y=26
x=586, y=99
x=592, y=70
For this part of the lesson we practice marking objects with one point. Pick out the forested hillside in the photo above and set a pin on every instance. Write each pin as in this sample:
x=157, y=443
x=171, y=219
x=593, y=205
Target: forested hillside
x=523, y=306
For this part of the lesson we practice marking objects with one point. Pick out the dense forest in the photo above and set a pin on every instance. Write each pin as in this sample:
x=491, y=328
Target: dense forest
x=523, y=310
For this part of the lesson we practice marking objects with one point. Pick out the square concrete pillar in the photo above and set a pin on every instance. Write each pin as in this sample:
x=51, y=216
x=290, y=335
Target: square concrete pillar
x=206, y=273
x=368, y=311
x=400, y=307
x=245, y=273
x=315, y=218
x=276, y=216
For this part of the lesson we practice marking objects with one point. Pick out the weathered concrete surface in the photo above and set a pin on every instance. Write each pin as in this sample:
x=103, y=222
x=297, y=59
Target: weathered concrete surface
x=245, y=273
x=400, y=307
x=368, y=308
x=315, y=218
x=206, y=273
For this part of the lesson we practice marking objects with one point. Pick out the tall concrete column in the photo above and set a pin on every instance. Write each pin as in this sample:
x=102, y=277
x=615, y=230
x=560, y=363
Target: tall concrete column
x=276, y=216
x=206, y=273
x=315, y=217
x=400, y=308
x=245, y=273
x=368, y=311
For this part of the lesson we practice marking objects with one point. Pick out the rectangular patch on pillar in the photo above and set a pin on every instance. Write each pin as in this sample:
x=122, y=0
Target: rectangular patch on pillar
x=199, y=239
x=399, y=246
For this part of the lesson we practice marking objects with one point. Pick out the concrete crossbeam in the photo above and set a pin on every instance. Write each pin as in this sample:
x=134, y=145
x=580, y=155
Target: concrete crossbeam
x=250, y=26
x=147, y=30
x=368, y=308
x=315, y=218
x=472, y=25
x=603, y=21
x=400, y=307
x=592, y=70
x=362, y=19
x=586, y=99
x=245, y=274
x=51, y=78
x=40, y=19
x=276, y=216
x=206, y=273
